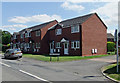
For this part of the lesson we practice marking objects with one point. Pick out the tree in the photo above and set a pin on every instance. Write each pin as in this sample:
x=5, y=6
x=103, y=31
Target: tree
x=6, y=37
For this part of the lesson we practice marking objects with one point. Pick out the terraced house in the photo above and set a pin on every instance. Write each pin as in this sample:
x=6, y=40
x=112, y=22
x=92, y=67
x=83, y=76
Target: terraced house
x=85, y=35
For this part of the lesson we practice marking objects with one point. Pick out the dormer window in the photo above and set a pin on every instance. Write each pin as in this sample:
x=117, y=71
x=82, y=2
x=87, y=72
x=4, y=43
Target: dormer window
x=74, y=28
x=37, y=33
x=58, y=31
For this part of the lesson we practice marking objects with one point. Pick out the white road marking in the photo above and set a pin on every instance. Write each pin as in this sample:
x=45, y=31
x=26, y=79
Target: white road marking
x=5, y=64
x=33, y=76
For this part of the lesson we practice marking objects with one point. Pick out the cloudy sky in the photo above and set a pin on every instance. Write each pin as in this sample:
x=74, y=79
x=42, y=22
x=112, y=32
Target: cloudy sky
x=19, y=15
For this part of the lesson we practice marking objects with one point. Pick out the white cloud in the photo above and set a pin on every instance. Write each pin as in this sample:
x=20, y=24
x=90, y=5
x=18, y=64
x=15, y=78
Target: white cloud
x=13, y=27
x=111, y=31
x=110, y=13
x=70, y=6
x=35, y=18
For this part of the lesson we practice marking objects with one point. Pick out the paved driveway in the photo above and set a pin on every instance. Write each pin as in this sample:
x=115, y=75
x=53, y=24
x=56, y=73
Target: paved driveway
x=28, y=69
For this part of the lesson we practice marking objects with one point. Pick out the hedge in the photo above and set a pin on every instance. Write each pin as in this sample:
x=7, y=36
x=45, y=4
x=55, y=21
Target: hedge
x=110, y=46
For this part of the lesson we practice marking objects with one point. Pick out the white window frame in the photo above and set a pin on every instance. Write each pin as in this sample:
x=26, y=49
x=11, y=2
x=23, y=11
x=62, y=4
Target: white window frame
x=28, y=34
x=22, y=35
x=14, y=45
x=58, y=31
x=37, y=45
x=58, y=45
x=75, y=46
x=15, y=36
x=37, y=33
x=21, y=45
x=27, y=45
x=73, y=28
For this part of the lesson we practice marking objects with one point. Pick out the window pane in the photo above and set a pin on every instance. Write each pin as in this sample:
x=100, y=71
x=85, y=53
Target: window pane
x=78, y=44
x=72, y=45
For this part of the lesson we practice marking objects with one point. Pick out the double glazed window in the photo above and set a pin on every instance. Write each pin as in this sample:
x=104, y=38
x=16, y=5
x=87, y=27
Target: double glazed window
x=75, y=44
x=27, y=45
x=21, y=35
x=37, y=33
x=37, y=45
x=58, y=45
x=14, y=45
x=74, y=28
x=21, y=45
x=15, y=36
x=27, y=34
x=58, y=31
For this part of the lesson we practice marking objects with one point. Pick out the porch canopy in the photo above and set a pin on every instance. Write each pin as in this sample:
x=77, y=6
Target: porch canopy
x=64, y=40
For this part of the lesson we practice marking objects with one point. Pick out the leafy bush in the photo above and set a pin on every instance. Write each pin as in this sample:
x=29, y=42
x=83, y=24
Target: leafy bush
x=110, y=46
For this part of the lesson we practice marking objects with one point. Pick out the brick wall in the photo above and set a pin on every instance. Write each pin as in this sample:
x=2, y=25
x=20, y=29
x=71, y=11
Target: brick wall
x=94, y=36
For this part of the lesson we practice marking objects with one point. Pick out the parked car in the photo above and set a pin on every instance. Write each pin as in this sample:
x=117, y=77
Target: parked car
x=13, y=53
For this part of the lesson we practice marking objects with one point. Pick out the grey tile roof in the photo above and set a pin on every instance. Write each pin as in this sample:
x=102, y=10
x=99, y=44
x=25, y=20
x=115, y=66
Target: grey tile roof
x=77, y=20
x=109, y=35
x=37, y=26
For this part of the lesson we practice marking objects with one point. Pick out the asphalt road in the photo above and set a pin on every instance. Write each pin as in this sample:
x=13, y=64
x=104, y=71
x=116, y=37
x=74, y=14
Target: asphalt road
x=32, y=70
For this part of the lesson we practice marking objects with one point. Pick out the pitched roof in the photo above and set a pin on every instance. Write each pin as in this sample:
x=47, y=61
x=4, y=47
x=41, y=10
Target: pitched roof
x=109, y=35
x=77, y=20
x=37, y=26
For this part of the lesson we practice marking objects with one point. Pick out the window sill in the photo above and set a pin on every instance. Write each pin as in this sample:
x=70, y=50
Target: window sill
x=75, y=48
x=75, y=32
x=37, y=47
x=58, y=47
x=58, y=34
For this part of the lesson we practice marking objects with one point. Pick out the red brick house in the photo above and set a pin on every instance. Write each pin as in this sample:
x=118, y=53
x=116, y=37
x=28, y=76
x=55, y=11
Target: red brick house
x=84, y=35
x=110, y=37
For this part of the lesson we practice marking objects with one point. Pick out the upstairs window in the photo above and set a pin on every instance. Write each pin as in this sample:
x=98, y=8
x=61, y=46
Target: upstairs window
x=58, y=45
x=15, y=36
x=37, y=33
x=58, y=31
x=75, y=44
x=37, y=45
x=27, y=34
x=74, y=28
x=22, y=35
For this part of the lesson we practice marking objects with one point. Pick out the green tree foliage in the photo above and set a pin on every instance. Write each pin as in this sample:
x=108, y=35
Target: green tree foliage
x=110, y=46
x=6, y=39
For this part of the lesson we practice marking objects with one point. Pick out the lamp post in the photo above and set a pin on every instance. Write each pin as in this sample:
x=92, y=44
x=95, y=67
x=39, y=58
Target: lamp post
x=116, y=39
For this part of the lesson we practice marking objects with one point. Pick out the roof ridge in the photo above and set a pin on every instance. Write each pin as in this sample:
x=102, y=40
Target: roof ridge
x=78, y=17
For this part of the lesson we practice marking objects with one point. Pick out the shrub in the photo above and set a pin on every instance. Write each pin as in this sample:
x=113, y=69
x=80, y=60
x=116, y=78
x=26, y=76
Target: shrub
x=110, y=46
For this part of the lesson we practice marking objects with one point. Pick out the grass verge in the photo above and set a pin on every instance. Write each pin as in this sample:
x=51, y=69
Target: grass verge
x=110, y=71
x=61, y=58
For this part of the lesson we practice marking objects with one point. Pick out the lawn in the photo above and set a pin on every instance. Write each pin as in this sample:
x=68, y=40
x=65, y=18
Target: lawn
x=111, y=72
x=61, y=58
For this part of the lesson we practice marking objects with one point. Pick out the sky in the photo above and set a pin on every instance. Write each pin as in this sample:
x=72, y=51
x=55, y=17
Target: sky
x=19, y=15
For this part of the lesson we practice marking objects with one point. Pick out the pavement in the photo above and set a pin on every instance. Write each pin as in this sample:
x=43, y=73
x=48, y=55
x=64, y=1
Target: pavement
x=26, y=69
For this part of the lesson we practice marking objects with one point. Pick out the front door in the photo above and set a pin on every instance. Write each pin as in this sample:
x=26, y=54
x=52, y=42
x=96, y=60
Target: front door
x=66, y=47
x=51, y=47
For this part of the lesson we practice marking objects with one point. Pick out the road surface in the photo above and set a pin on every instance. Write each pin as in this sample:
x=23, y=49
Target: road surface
x=33, y=70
